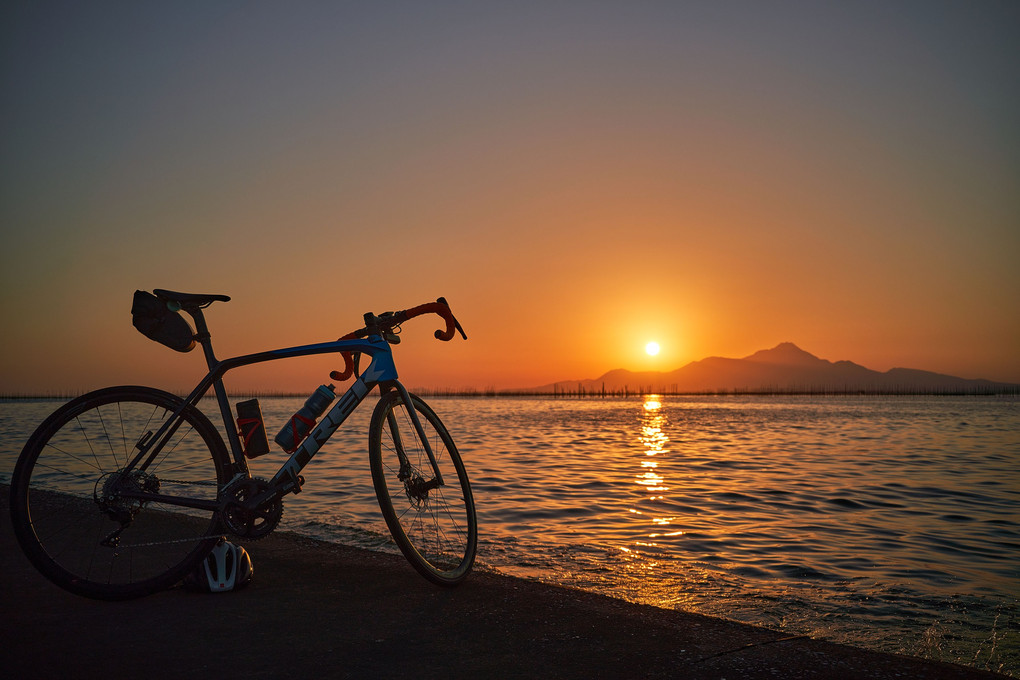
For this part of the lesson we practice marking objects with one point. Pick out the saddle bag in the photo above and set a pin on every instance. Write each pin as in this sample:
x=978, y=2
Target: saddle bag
x=156, y=321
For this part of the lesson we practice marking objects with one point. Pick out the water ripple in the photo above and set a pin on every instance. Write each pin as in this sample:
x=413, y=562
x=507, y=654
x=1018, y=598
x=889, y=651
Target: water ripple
x=890, y=523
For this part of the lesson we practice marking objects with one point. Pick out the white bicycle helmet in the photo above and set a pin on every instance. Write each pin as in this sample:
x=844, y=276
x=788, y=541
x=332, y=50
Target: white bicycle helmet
x=227, y=567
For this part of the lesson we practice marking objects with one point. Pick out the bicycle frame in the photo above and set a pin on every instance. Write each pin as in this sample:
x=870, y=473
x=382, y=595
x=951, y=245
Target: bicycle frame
x=381, y=371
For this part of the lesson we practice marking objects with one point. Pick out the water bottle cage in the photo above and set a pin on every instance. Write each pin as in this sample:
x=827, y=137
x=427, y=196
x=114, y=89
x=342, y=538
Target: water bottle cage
x=246, y=436
x=296, y=432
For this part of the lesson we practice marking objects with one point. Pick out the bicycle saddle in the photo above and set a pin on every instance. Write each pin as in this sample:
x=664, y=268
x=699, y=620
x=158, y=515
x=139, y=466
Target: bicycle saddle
x=200, y=299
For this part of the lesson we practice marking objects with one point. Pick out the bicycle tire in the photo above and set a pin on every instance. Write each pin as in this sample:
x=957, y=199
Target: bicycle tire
x=436, y=529
x=62, y=513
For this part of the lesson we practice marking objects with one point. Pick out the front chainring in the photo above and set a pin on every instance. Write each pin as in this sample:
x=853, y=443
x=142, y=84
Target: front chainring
x=255, y=523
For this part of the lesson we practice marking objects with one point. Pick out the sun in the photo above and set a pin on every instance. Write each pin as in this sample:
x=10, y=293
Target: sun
x=652, y=349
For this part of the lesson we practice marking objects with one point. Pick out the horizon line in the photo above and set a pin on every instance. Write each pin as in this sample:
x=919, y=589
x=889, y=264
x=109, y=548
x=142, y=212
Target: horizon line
x=581, y=391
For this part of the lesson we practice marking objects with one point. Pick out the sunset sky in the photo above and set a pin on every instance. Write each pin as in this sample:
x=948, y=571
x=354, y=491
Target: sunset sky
x=577, y=178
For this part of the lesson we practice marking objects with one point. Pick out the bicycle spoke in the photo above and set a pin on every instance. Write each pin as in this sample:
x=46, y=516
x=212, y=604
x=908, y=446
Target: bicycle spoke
x=434, y=526
x=71, y=517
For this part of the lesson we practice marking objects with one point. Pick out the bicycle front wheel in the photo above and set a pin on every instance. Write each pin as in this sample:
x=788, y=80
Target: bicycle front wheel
x=66, y=505
x=433, y=524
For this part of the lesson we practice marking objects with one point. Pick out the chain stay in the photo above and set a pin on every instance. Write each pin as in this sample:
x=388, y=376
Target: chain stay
x=184, y=482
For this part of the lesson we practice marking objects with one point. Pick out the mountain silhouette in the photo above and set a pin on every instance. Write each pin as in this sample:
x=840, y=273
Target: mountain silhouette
x=785, y=368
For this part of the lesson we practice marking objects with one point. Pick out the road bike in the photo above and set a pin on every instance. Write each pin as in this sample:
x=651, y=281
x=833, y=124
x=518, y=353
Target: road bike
x=122, y=491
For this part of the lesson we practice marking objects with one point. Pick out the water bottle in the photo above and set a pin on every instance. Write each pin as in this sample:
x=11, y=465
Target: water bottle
x=302, y=422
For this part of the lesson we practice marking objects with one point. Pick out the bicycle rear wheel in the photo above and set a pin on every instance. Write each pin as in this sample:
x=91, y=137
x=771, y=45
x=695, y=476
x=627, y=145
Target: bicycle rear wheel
x=434, y=526
x=75, y=527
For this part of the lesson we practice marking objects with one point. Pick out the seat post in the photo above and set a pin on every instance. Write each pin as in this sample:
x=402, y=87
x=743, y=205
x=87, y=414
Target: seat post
x=202, y=334
x=204, y=337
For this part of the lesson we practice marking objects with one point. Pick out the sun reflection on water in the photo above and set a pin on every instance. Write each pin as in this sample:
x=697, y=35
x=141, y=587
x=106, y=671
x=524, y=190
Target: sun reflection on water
x=654, y=440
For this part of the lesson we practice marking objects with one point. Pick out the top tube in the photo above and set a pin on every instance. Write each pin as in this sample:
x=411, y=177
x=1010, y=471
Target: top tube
x=374, y=346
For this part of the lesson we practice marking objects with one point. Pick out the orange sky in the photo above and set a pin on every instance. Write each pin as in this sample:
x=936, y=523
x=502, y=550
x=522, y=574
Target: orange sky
x=576, y=178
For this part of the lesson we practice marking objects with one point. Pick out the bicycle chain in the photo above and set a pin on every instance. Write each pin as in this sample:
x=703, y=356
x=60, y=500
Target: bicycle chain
x=173, y=540
x=185, y=482
x=251, y=534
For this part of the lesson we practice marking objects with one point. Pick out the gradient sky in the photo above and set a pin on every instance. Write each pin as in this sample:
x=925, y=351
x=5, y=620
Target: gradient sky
x=577, y=178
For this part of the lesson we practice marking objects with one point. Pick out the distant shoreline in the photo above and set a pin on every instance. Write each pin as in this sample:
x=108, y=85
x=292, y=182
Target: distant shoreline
x=626, y=393
x=764, y=392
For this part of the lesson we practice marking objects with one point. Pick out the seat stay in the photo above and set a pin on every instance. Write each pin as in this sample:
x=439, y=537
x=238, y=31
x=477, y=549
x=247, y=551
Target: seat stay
x=150, y=444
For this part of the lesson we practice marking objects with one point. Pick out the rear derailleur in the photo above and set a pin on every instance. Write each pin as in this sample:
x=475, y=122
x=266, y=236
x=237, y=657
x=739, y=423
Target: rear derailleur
x=107, y=496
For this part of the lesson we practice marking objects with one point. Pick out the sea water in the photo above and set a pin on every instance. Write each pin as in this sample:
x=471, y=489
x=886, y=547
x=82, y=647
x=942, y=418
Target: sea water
x=891, y=523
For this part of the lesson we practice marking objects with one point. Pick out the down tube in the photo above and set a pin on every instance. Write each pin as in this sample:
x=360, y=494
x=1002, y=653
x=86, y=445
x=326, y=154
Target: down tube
x=287, y=477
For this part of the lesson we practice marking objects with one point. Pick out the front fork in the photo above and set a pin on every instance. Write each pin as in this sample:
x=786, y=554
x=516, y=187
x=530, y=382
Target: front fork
x=406, y=469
